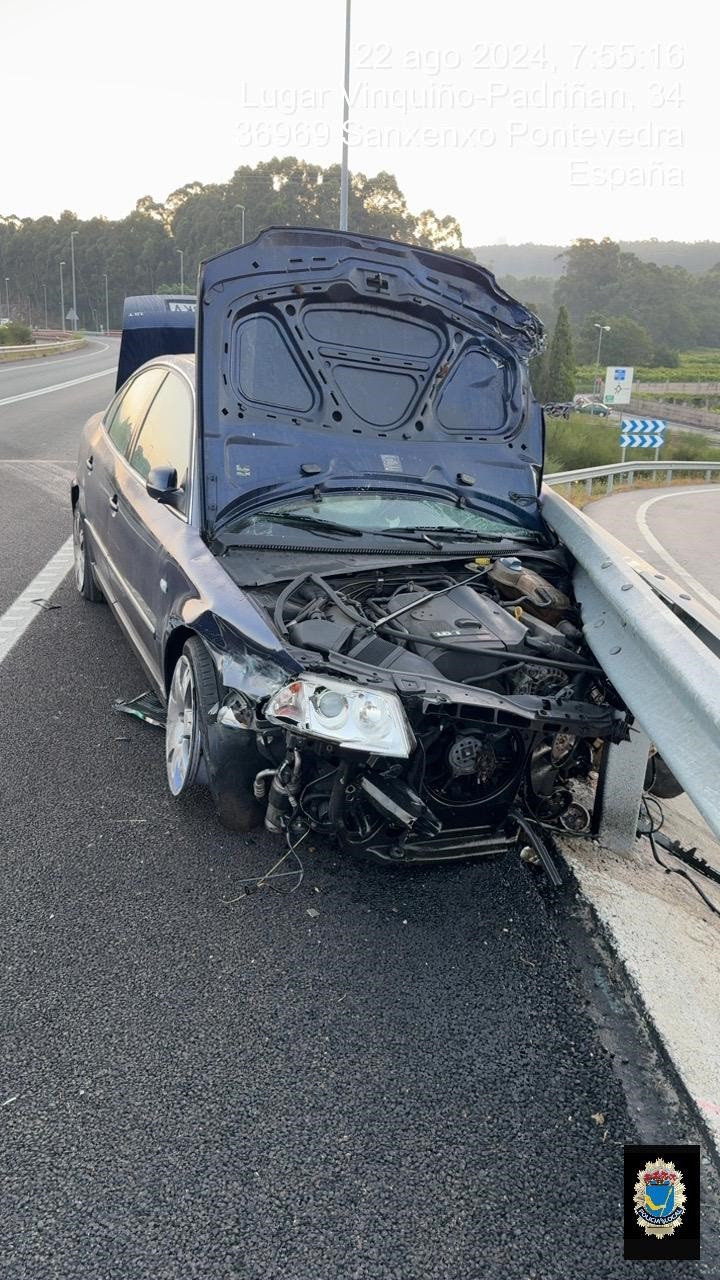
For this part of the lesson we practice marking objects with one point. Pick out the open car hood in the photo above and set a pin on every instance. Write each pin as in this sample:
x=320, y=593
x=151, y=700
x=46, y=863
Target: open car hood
x=346, y=361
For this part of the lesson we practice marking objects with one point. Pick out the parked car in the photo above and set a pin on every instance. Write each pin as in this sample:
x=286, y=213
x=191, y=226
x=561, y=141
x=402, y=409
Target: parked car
x=322, y=536
x=594, y=407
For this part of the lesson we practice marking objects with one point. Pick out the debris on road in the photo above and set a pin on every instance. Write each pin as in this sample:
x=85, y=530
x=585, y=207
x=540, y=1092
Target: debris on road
x=144, y=707
x=45, y=604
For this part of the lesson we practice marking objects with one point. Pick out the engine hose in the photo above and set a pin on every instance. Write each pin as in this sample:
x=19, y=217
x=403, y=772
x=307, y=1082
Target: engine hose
x=282, y=600
x=355, y=615
x=430, y=642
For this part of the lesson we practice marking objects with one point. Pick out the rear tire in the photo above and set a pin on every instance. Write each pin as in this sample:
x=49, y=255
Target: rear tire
x=84, y=576
x=194, y=738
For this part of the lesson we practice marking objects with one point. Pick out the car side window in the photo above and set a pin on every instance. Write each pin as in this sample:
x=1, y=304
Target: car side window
x=132, y=407
x=165, y=439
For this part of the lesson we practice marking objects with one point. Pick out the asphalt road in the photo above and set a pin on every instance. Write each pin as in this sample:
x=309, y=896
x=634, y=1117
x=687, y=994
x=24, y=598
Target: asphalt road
x=425, y=1074
x=38, y=444
x=674, y=529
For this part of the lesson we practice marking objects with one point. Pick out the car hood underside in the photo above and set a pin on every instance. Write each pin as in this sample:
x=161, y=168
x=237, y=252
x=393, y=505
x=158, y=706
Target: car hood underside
x=344, y=361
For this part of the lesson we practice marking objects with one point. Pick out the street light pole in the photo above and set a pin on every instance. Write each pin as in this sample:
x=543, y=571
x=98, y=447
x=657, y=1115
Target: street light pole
x=107, y=305
x=72, y=261
x=182, y=270
x=344, y=179
x=241, y=207
x=62, y=299
x=45, y=297
x=602, y=328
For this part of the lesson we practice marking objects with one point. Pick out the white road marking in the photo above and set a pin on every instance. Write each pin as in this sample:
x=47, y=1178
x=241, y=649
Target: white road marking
x=15, y=621
x=657, y=546
x=59, y=386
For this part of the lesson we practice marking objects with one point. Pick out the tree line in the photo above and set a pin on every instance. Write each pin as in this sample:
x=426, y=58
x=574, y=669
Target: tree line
x=651, y=311
x=159, y=245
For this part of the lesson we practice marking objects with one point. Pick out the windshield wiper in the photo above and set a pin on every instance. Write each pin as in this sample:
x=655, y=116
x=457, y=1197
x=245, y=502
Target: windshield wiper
x=433, y=536
x=314, y=525
x=456, y=535
x=306, y=522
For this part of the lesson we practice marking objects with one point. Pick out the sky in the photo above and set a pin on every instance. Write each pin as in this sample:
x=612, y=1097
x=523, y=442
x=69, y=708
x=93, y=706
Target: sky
x=526, y=121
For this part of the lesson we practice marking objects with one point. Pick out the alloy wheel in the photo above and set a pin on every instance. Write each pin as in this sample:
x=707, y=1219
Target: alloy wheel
x=182, y=731
x=79, y=559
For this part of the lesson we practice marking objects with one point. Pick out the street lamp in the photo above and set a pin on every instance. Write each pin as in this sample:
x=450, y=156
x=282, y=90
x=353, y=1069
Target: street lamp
x=182, y=270
x=602, y=328
x=7, y=297
x=107, y=305
x=62, y=299
x=242, y=224
x=45, y=297
x=72, y=260
x=345, y=126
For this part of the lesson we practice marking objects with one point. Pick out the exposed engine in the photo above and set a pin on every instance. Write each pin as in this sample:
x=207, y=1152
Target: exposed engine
x=503, y=698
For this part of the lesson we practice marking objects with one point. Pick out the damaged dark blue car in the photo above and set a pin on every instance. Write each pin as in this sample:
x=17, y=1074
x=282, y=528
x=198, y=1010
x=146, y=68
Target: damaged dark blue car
x=322, y=535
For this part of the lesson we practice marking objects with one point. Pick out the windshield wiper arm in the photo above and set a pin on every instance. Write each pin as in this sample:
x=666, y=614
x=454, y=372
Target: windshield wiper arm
x=306, y=522
x=451, y=535
x=328, y=526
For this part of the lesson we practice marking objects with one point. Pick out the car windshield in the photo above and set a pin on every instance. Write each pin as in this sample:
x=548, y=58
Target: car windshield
x=380, y=513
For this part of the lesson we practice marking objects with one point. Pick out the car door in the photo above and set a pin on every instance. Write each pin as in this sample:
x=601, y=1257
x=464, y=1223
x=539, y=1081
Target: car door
x=143, y=528
x=107, y=451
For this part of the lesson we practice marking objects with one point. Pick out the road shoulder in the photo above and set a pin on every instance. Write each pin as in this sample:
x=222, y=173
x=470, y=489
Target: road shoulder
x=667, y=941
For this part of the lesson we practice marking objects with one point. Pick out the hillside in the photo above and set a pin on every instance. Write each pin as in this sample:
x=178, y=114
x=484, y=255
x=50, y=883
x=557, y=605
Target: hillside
x=544, y=259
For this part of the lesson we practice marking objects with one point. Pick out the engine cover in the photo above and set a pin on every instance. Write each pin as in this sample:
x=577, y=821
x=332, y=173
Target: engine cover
x=456, y=630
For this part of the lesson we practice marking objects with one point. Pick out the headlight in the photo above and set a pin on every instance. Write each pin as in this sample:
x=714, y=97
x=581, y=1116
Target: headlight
x=350, y=715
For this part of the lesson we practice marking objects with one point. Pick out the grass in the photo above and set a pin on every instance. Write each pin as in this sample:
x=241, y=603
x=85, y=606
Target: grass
x=582, y=441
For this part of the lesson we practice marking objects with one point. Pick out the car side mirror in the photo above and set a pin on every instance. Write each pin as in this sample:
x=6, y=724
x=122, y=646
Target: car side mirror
x=162, y=484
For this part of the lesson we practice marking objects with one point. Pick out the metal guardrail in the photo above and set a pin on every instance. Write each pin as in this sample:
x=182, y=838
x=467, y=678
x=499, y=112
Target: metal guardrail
x=665, y=673
x=629, y=469
x=36, y=347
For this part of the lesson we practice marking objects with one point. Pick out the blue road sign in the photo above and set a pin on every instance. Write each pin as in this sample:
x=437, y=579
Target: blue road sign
x=630, y=441
x=641, y=433
x=640, y=426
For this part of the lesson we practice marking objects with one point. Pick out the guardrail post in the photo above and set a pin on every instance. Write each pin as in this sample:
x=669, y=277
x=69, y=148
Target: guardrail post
x=707, y=477
x=620, y=790
x=668, y=475
x=608, y=485
x=631, y=477
x=588, y=487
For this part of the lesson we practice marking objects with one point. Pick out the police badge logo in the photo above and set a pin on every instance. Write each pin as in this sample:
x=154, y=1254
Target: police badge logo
x=659, y=1198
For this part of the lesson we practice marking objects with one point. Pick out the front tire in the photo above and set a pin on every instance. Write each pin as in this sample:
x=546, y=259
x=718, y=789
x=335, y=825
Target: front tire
x=195, y=744
x=84, y=576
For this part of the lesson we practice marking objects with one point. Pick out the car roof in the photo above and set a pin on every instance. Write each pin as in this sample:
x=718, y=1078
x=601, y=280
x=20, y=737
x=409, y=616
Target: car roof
x=184, y=363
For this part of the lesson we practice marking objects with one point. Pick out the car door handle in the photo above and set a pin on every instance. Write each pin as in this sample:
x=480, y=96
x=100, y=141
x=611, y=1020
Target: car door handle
x=114, y=505
x=89, y=463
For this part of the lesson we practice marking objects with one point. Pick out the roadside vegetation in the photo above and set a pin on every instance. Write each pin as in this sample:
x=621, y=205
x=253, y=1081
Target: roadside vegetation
x=15, y=334
x=580, y=441
x=702, y=365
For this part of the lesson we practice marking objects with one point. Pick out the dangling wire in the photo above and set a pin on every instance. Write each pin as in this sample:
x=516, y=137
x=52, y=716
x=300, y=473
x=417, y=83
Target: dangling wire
x=259, y=882
x=677, y=871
